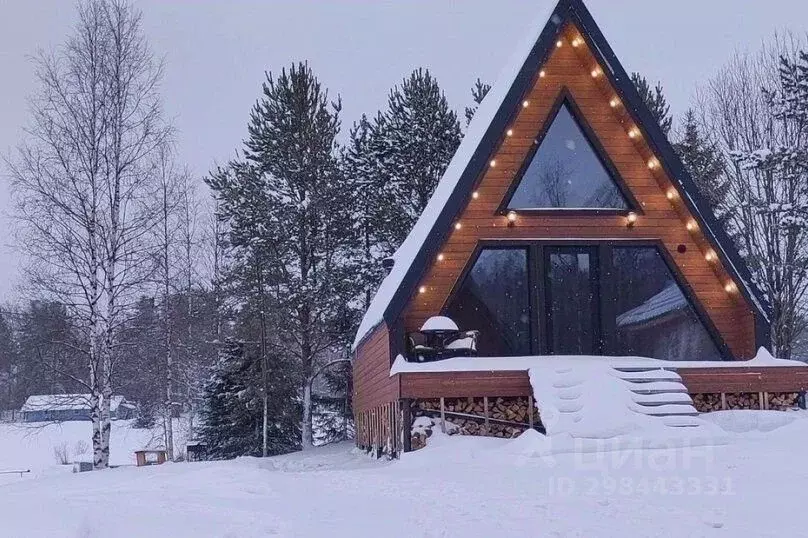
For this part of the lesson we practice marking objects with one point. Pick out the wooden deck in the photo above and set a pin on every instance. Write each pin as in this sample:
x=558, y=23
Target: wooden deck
x=516, y=383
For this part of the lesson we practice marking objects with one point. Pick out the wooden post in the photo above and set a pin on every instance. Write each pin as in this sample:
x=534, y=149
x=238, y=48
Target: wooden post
x=765, y=400
x=442, y=415
x=530, y=411
x=406, y=419
x=760, y=400
x=485, y=411
x=724, y=401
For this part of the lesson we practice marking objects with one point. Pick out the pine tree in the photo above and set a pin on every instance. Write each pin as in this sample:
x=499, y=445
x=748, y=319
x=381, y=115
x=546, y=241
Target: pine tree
x=362, y=173
x=704, y=163
x=419, y=134
x=292, y=225
x=478, y=93
x=655, y=101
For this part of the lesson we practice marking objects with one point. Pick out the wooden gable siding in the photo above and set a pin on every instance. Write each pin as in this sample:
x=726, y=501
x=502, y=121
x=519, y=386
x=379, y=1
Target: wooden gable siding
x=372, y=383
x=660, y=219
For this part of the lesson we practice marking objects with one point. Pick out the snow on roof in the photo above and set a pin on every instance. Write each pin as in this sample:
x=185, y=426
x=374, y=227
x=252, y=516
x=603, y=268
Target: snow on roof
x=405, y=255
x=64, y=402
x=670, y=299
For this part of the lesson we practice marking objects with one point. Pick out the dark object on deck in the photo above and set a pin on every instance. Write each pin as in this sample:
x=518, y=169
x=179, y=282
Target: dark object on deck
x=436, y=345
x=196, y=452
x=150, y=457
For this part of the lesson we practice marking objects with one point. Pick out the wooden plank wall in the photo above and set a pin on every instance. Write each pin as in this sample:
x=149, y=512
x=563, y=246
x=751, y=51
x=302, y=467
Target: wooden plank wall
x=662, y=219
x=517, y=383
x=379, y=429
x=372, y=383
x=376, y=394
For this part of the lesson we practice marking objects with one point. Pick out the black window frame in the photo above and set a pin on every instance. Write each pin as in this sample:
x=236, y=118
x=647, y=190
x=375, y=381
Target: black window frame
x=458, y=285
x=539, y=320
x=565, y=97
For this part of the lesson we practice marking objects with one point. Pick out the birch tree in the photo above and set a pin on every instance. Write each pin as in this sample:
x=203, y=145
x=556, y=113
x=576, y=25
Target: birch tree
x=756, y=114
x=83, y=181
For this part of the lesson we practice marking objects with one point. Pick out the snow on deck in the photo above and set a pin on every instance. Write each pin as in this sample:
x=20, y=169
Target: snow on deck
x=506, y=364
x=585, y=401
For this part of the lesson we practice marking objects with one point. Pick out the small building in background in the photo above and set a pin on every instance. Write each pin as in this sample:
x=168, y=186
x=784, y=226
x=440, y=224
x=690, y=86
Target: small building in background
x=66, y=407
x=150, y=457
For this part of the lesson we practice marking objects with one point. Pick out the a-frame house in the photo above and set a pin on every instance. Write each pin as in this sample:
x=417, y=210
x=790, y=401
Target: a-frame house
x=565, y=225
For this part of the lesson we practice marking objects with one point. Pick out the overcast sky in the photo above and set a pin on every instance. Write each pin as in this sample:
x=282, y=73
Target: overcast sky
x=217, y=51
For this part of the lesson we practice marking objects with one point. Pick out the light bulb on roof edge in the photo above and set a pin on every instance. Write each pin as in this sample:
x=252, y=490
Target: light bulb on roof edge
x=671, y=194
x=653, y=164
x=525, y=103
x=422, y=289
x=596, y=72
x=475, y=195
x=730, y=287
x=458, y=226
x=441, y=257
x=512, y=216
x=633, y=132
x=493, y=163
x=710, y=256
x=690, y=226
x=559, y=43
x=509, y=132
x=631, y=219
x=614, y=102
x=576, y=42
x=542, y=74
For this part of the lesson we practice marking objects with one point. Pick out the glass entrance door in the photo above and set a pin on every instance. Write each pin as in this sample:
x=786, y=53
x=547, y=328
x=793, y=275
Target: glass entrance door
x=572, y=298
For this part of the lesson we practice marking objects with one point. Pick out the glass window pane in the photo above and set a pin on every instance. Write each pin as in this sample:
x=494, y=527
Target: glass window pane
x=493, y=299
x=653, y=315
x=570, y=296
x=566, y=172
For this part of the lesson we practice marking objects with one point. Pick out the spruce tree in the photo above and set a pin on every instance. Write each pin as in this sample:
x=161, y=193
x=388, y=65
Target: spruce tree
x=232, y=414
x=655, y=101
x=704, y=163
x=419, y=134
x=478, y=93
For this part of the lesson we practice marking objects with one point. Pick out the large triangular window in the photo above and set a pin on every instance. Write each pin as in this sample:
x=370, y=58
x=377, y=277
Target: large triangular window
x=566, y=171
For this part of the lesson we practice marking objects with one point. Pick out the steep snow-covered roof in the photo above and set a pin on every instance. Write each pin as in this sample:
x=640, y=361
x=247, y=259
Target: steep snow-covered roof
x=405, y=255
x=472, y=155
x=64, y=402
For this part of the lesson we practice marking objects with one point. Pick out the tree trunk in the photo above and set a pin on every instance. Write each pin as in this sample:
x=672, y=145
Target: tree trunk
x=307, y=435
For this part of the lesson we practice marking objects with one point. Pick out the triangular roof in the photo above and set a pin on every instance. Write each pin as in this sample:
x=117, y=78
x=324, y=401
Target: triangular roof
x=485, y=132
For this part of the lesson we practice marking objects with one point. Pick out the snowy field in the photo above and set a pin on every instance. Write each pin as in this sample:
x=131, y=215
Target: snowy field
x=754, y=485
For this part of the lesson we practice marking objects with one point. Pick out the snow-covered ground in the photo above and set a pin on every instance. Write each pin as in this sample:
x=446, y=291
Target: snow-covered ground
x=32, y=446
x=458, y=486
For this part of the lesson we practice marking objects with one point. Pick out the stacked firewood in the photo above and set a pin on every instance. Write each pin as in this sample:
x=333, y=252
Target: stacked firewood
x=705, y=403
x=507, y=417
x=783, y=401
